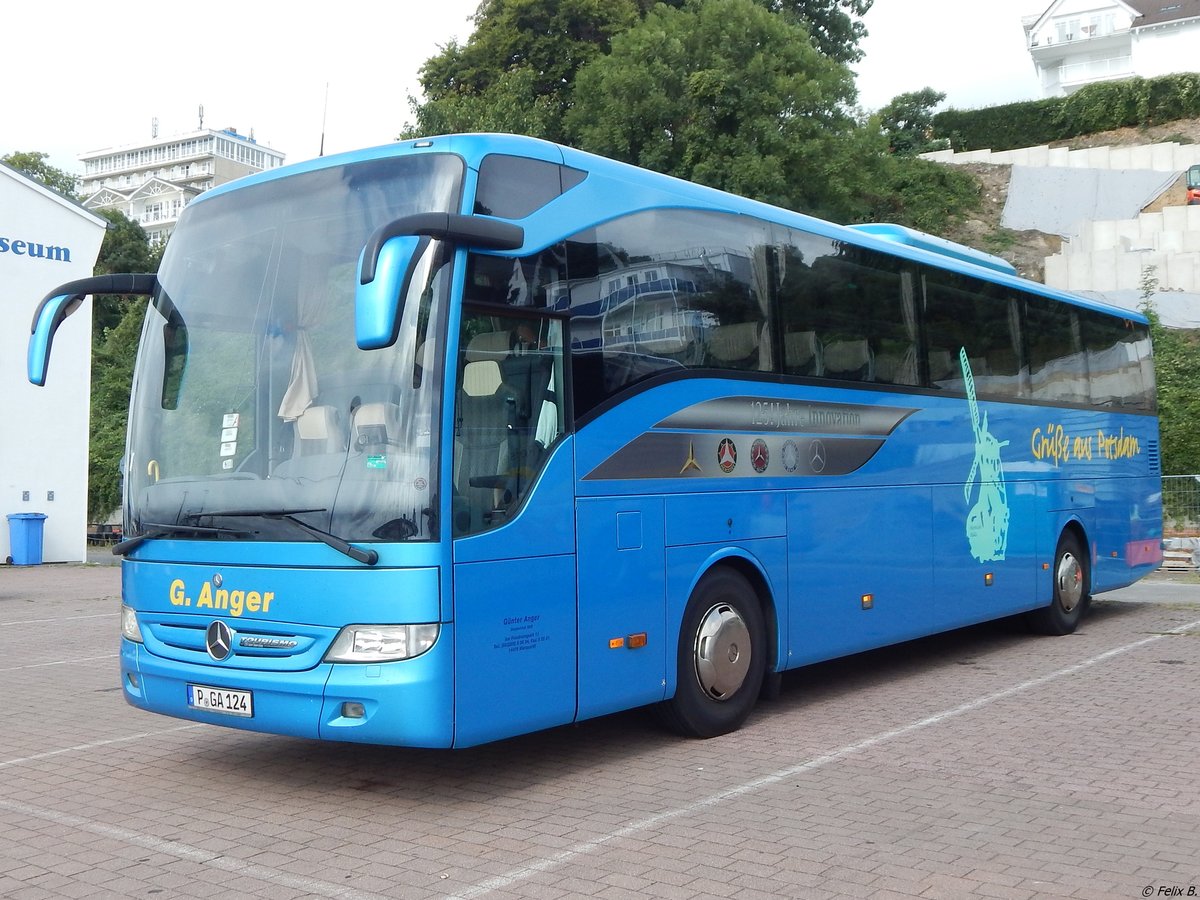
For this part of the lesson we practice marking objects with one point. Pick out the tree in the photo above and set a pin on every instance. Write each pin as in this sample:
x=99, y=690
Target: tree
x=908, y=121
x=116, y=325
x=726, y=93
x=831, y=24
x=1176, y=361
x=516, y=71
x=35, y=166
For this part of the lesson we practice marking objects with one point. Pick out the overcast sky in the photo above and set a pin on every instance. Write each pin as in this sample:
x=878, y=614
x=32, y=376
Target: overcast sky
x=79, y=75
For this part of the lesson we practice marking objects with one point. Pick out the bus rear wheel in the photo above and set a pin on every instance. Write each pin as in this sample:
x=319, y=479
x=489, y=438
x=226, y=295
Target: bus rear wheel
x=721, y=659
x=1071, y=592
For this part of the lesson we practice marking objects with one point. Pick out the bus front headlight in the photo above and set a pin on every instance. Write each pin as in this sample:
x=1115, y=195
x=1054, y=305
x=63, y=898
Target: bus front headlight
x=381, y=643
x=130, y=630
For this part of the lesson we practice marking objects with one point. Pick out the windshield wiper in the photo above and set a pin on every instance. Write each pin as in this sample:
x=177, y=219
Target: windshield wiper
x=156, y=530
x=368, y=557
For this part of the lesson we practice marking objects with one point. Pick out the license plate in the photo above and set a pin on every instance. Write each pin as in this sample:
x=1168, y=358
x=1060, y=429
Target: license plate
x=220, y=700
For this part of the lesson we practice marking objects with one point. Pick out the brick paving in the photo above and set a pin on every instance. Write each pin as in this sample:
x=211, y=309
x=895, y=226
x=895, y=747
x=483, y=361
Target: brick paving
x=984, y=763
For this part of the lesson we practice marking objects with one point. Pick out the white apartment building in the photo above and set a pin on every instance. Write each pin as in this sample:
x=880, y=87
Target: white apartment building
x=1078, y=42
x=152, y=182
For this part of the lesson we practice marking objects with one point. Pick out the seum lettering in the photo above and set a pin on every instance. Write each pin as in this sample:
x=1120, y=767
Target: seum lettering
x=233, y=602
x=34, y=250
x=1054, y=444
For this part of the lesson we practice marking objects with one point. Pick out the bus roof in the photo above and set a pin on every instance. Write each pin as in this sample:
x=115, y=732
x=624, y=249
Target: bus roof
x=660, y=190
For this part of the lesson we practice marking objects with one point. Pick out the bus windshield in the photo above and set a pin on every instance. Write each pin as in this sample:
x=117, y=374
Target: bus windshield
x=253, y=408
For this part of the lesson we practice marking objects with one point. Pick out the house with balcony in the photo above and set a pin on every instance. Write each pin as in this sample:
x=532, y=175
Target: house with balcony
x=152, y=182
x=1079, y=42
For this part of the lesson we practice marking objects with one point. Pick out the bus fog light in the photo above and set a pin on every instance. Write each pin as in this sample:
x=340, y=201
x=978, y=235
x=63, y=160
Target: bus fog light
x=381, y=643
x=353, y=710
x=130, y=630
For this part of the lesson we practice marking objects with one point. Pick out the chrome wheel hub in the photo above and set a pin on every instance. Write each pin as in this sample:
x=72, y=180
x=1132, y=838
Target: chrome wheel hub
x=722, y=652
x=1069, y=580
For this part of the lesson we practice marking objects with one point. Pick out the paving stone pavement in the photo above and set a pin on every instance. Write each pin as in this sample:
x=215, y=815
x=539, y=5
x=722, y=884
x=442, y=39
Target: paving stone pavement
x=983, y=763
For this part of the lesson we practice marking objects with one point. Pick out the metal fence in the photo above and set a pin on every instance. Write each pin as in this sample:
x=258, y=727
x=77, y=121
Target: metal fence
x=1181, y=505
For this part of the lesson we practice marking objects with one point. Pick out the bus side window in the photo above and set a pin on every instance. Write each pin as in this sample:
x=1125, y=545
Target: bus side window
x=508, y=414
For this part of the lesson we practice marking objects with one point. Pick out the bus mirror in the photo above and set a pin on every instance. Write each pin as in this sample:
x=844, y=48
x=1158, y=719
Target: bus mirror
x=379, y=302
x=390, y=256
x=64, y=300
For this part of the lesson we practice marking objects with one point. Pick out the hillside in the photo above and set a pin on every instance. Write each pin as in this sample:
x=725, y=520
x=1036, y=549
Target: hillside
x=1027, y=250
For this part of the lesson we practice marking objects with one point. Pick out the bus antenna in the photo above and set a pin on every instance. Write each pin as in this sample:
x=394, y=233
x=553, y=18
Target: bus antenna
x=324, y=110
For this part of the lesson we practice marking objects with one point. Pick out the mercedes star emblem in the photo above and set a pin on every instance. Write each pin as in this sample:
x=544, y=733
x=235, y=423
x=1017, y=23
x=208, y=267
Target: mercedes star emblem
x=816, y=456
x=218, y=639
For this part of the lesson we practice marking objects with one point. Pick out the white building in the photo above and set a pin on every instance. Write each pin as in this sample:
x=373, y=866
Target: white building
x=45, y=241
x=153, y=181
x=1078, y=42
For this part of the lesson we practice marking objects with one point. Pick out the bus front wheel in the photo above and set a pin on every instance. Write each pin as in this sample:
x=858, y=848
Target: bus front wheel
x=722, y=657
x=1071, y=590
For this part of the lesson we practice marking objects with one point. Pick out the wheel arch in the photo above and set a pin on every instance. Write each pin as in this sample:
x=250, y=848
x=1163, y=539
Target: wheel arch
x=753, y=570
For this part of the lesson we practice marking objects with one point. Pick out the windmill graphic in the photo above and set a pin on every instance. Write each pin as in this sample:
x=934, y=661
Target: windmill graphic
x=987, y=521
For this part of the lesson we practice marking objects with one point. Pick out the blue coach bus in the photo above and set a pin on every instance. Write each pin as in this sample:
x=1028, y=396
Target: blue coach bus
x=465, y=437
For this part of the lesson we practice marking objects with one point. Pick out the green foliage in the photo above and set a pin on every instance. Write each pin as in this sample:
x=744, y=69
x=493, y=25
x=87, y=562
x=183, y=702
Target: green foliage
x=1176, y=361
x=831, y=24
x=922, y=194
x=1132, y=102
x=1003, y=127
x=35, y=166
x=125, y=249
x=908, y=121
x=112, y=374
x=725, y=93
x=516, y=71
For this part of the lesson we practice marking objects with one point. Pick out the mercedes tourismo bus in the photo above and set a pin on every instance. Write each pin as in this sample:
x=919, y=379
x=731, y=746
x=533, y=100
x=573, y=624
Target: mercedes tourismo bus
x=460, y=438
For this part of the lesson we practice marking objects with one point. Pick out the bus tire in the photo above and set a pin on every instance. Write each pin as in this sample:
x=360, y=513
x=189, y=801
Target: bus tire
x=1071, y=593
x=722, y=657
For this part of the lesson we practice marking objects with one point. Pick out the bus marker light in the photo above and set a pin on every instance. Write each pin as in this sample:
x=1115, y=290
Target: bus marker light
x=1045, y=567
x=616, y=643
x=353, y=710
x=868, y=601
x=637, y=641
x=988, y=579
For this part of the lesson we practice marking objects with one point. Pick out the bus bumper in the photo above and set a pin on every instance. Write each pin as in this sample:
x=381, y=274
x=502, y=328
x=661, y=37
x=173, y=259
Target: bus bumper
x=407, y=703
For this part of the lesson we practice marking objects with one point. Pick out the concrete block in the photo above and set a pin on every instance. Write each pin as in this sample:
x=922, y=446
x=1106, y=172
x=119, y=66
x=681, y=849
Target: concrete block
x=1150, y=224
x=1059, y=156
x=1175, y=218
x=1121, y=158
x=1101, y=236
x=1141, y=157
x=1056, y=271
x=1098, y=157
x=1180, y=272
x=1103, y=273
x=1162, y=157
x=1078, y=159
x=1191, y=242
x=1129, y=271
x=1079, y=272
x=1129, y=233
x=1169, y=241
x=1039, y=156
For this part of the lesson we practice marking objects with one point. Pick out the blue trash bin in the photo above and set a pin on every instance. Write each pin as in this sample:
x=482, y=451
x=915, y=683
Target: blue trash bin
x=25, y=538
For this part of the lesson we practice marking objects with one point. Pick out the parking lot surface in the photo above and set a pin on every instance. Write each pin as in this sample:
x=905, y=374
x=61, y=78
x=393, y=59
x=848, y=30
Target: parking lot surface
x=982, y=763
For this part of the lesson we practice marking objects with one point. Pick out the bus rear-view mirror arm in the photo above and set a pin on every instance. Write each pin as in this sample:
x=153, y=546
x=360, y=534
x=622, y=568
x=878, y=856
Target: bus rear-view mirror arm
x=389, y=260
x=64, y=300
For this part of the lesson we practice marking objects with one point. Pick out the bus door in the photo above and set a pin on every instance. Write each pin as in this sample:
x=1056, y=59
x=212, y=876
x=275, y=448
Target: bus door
x=512, y=521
